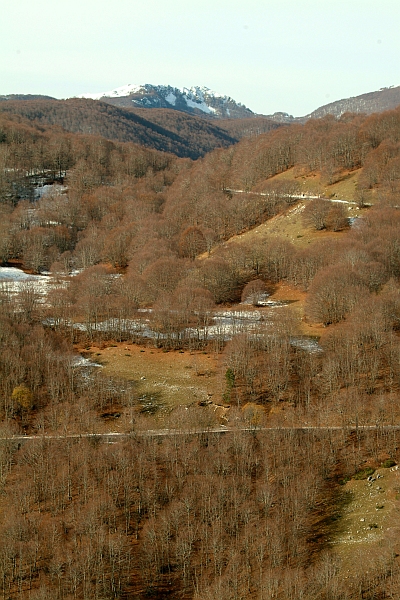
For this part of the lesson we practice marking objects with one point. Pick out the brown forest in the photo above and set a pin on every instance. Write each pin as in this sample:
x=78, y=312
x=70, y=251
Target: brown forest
x=252, y=510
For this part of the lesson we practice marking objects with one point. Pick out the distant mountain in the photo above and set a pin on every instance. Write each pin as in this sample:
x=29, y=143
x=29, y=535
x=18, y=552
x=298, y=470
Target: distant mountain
x=25, y=97
x=200, y=101
x=373, y=102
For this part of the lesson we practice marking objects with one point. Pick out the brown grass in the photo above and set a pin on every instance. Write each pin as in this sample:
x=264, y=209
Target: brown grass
x=297, y=297
x=176, y=378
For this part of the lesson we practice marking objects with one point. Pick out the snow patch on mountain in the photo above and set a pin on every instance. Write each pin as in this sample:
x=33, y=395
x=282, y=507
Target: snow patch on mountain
x=201, y=92
x=198, y=98
x=171, y=98
x=119, y=92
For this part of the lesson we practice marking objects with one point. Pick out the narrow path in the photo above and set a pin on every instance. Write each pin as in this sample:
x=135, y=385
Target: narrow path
x=294, y=196
x=115, y=435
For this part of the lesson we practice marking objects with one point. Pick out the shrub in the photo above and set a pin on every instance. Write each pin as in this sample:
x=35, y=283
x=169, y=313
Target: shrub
x=388, y=463
x=364, y=473
x=344, y=480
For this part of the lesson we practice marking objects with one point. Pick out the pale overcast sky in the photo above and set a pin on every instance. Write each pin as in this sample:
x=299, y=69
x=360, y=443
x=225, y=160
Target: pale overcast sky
x=290, y=56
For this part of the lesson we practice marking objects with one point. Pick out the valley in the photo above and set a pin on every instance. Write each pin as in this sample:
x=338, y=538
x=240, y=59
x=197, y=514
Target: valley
x=199, y=363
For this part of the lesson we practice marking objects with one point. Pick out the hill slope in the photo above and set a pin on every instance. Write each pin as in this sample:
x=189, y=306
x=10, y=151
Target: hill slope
x=372, y=102
x=183, y=135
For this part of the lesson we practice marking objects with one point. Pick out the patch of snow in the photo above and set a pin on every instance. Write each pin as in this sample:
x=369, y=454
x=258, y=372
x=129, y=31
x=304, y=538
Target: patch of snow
x=13, y=281
x=195, y=98
x=199, y=105
x=342, y=201
x=80, y=361
x=263, y=301
x=308, y=344
x=171, y=98
x=253, y=315
x=201, y=91
x=48, y=189
x=119, y=92
x=13, y=274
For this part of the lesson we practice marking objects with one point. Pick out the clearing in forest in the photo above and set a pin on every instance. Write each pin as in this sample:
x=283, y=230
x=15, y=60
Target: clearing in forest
x=171, y=378
x=369, y=515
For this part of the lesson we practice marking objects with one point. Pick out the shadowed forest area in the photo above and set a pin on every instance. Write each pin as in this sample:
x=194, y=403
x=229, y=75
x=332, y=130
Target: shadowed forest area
x=277, y=260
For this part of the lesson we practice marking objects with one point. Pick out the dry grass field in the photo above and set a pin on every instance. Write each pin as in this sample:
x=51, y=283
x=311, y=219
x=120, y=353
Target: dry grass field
x=172, y=378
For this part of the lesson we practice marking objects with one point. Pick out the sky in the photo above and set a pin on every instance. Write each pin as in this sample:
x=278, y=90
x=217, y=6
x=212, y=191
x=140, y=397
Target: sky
x=291, y=56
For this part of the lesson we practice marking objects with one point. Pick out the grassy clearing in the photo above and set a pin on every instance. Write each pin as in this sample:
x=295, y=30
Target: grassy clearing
x=290, y=225
x=370, y=515
x=174, y=378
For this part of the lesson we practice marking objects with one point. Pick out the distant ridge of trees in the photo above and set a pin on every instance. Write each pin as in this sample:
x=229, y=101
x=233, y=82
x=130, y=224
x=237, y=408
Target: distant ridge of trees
x=165, y=130
x=30, y=97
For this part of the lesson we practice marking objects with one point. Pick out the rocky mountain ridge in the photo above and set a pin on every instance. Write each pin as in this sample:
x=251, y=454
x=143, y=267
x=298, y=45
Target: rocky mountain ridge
x=200, y=101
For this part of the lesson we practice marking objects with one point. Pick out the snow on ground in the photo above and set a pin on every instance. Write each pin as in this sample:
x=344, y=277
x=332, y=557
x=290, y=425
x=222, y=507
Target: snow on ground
x=199, y=105
x=81, y=361
x=171, y=98
x=308, y=344
x=201, y=91
x=124, y=90
x=13, y=280
x=48, y=189
x=13, y=274
x=263, y=301
x=233, y=315
x=226, y=323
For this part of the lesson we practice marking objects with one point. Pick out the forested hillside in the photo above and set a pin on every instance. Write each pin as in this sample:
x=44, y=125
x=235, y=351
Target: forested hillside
x=387, y=98
x=166, y=130
x=273, y=267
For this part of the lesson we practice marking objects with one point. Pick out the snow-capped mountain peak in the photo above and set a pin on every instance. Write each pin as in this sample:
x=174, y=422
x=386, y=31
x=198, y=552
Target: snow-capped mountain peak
x=199, y=100
x=119, y=92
